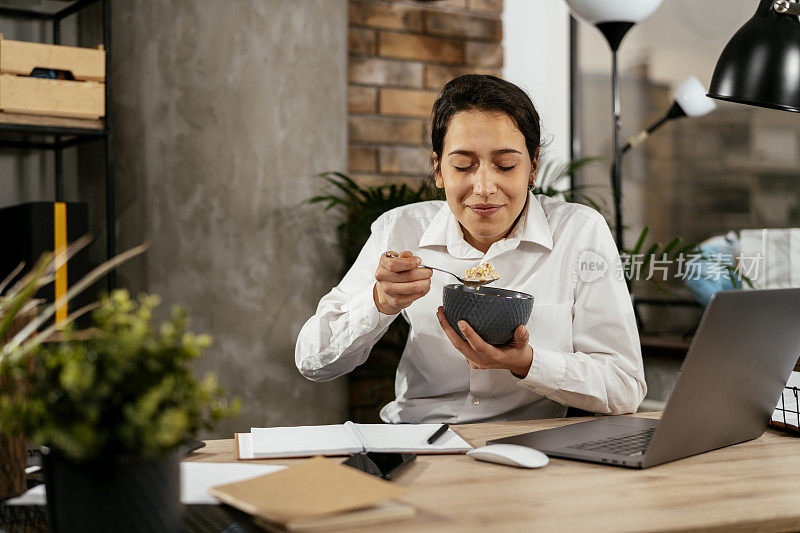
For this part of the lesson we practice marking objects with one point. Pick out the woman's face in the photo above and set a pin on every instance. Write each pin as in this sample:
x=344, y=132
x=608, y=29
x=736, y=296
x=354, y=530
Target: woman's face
x=485, y=172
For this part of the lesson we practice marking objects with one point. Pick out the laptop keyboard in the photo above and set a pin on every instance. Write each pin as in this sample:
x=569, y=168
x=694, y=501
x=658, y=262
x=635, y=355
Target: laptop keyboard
x=633, y=444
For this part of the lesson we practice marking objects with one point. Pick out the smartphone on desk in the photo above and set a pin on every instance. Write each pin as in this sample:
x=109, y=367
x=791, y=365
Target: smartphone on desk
x=383, y=465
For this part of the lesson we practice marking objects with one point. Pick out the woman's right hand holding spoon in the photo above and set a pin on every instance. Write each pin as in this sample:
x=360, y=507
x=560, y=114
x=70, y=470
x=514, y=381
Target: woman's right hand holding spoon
x=399, y=282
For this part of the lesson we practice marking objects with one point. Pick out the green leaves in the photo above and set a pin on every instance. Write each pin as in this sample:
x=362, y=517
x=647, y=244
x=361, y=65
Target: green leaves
x=359, y=206
x=18, y=299
x=551, y=178
x=636, y=263
x=128, y=389
x=641, y=259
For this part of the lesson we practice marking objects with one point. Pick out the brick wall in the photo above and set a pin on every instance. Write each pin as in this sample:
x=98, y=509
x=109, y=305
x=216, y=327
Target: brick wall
x=401, y=53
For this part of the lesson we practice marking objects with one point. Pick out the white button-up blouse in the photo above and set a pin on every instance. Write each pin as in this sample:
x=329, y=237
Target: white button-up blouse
x=586, y=350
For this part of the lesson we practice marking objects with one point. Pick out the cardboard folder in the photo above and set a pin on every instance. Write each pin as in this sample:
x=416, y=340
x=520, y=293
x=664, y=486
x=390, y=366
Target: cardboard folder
x=315, y=494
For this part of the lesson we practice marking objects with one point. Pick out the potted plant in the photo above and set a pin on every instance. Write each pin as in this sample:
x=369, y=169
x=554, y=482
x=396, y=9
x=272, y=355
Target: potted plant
x=113, y=403
x=112, y=407
x=21, y=316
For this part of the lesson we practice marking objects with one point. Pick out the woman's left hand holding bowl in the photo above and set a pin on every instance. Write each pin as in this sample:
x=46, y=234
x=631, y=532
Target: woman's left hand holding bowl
x=516, y=356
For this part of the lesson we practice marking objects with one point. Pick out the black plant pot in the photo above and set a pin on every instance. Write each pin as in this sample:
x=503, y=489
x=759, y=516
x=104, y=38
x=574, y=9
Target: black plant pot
x=120, y=494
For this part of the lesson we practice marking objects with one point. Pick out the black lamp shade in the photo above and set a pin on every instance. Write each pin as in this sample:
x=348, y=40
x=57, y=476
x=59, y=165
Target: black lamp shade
x=760, y=65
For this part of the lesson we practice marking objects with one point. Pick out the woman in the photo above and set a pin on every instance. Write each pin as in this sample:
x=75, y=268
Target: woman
x=580, y=348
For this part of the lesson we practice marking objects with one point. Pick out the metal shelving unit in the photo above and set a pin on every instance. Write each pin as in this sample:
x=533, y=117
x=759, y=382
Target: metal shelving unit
x=57, y=134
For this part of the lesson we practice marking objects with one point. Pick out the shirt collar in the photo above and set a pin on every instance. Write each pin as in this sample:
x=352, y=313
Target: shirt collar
x=534, y=226
x=444, y=230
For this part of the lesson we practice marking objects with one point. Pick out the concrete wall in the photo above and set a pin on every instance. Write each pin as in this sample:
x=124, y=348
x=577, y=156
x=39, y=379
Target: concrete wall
x=224, y=113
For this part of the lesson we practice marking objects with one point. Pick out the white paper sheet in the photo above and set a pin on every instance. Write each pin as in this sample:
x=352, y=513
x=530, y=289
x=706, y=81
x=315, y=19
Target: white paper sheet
x=196, y=479
x=34, y=496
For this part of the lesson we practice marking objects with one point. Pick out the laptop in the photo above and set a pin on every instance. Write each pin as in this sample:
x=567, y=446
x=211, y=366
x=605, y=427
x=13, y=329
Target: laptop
x=745, y=348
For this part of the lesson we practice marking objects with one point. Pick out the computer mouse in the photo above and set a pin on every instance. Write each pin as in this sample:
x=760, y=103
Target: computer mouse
x=510, y=454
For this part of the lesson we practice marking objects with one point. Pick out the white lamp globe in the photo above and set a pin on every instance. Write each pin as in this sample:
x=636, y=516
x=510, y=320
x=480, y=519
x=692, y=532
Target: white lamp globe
x=599, y=11
x=691, y=96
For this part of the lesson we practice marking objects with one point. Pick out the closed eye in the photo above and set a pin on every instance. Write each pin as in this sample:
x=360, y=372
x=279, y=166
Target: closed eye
x=462, y=169
x=506, y=169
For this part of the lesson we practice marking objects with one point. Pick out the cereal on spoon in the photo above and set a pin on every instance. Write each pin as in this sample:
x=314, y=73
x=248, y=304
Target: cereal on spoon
x=484, y=272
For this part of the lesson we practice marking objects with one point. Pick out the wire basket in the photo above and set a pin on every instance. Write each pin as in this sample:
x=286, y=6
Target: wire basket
x=787, y=413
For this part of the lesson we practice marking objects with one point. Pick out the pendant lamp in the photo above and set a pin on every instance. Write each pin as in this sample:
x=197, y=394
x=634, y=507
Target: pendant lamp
x=760, y=65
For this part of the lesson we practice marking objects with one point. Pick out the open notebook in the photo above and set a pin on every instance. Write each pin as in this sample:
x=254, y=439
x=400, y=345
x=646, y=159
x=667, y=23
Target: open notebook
x=344, y=439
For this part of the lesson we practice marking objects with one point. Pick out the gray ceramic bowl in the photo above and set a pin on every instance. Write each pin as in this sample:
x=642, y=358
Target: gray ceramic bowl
x=494, y=314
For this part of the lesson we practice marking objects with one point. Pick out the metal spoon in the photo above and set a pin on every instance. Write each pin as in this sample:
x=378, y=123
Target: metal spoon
x=467, y=282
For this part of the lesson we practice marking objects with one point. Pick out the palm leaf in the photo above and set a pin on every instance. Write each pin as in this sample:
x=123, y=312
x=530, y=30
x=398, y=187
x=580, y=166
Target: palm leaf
x=11, y=276
x=672, y=244
x=48, y=332
x=593, y=204
x=18, y=299
x=577, y=164
x=648, y=255
x=640, y=241
x=356, y=196
x=73, y=291
x=687, y=249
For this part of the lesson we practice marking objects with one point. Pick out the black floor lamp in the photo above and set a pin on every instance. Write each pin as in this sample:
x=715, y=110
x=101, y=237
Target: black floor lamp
x=614, y=18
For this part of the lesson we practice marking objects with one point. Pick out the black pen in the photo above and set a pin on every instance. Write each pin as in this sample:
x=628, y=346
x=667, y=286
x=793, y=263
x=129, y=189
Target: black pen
x=439, y=432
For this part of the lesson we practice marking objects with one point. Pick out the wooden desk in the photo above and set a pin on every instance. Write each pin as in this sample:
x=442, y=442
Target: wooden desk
x=747, y=487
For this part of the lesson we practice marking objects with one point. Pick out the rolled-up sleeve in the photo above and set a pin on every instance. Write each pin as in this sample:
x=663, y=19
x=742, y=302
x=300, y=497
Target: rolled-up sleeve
x=604, y=374
x=347, y=324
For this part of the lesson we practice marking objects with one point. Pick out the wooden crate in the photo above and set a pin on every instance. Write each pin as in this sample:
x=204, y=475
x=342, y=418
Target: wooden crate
x=20, y=93
x=20, y=57
x=60, y=98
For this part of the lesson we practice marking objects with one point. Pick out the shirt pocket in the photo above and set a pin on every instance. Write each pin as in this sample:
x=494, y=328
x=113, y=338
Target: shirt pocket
x=551, y=326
